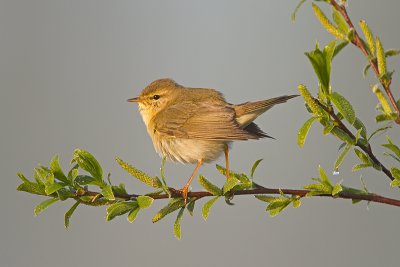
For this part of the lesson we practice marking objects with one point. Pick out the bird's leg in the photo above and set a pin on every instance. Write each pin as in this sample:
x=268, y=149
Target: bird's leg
x=226, y=150
x=185, y=189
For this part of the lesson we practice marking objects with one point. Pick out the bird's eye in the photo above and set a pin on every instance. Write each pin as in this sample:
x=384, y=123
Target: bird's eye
x=156, y=97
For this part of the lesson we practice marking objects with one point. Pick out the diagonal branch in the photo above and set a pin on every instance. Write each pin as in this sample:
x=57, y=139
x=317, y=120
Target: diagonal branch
x=363, y=147
x=374, y=65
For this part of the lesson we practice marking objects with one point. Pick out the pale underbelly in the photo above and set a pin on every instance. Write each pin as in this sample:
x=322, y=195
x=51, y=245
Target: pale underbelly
x=189, y=150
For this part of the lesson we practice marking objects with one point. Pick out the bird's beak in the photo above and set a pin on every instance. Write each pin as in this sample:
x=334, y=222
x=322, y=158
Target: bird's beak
x=135, y=99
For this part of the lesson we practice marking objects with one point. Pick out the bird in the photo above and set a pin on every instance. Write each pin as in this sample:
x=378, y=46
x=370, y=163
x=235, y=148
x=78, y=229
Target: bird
x=197, y=125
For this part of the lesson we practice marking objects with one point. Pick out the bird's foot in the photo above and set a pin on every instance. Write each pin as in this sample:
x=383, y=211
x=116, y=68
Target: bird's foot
x=184, y=192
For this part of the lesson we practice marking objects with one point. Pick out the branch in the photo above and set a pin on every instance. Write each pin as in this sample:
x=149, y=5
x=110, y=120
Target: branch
x=366, y=149
x=374, y=65
x=260, y=190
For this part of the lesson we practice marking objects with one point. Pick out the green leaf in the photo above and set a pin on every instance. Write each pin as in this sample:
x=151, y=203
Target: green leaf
x=339, y=48
x=119, y=190
x=365, y=70
x=383, y=129
x=339, y=133
x=337, y=189
x=359, y=125
x=23, y=178
x=88, y=162
x=222, y=170
x=361, y=166
x=328, y=52
x=162, y=174
x=392, y=52
x=254, y=167
x=207, y=206
x=65, y=193
x=395, y=172
x=73, y=173
x=293, y=15
x=296, y=203
x=392, y=156
x=328, y=129
x=363, y=157
x=133, y=213
x=276, y=207
x=277, y=204
x=51, y=188
x=339, y=20
x=38, y=177
x=141, y=176
x=120, y=208
x=57, y=171
x=265, y=198
x=391, y=146
x=395, y=183
x=44, y=176
x=303, y=131
x=190, y=207
x=85, y=180
x=246, y=182
x=209, y=187
x=172, y=206
x=324, y=177
x=344, y=107
x=318, y=189
x=321, y=63
x=230, y=183
x=44, y=205
x=30, y=187
x=177, y=224
x=69, y=213
x=144, y=201
x=342, y=156
x=107, y=192
x=385, y=117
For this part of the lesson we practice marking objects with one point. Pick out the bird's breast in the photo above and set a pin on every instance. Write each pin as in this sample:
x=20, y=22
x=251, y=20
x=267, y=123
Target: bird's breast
x=188, y=150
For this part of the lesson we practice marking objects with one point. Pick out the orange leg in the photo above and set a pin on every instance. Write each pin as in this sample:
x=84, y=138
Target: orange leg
x=185, y=189
x=227, y=161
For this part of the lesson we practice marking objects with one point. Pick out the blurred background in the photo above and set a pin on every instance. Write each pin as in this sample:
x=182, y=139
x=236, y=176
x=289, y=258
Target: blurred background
x=66, y=70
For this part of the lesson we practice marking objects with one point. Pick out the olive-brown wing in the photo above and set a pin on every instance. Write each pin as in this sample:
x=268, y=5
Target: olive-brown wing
x=205, y=121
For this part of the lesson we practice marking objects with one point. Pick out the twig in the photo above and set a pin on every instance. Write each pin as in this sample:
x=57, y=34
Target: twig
x=366, y=149
x=374, y=65
x=260, y=190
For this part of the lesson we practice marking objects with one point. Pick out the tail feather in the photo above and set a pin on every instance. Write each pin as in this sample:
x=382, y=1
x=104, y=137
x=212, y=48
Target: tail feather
x=250, y=107
x=255, y=130
x=249, y=111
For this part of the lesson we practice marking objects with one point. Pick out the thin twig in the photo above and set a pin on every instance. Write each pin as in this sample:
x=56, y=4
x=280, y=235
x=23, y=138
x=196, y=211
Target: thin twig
x=366, y=149
x=374, y=65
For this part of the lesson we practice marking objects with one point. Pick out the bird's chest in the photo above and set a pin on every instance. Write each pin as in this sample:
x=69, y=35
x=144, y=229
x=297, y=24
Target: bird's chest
x=187, y=150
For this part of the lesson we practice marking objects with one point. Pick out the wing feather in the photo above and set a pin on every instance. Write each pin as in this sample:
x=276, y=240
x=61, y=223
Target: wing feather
x=200, y=121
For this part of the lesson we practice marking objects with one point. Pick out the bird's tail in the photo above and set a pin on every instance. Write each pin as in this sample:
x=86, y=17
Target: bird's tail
x=249, y=111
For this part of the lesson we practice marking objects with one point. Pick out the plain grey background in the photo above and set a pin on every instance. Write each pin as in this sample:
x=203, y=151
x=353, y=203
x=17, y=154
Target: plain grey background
x=66, y=70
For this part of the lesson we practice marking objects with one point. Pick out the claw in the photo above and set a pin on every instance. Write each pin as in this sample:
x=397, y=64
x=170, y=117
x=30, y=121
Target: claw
x=184, y=192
